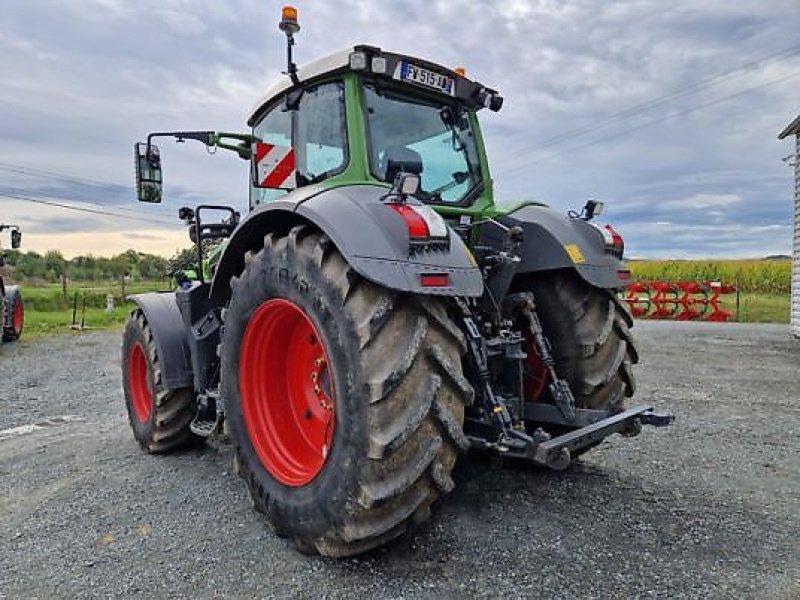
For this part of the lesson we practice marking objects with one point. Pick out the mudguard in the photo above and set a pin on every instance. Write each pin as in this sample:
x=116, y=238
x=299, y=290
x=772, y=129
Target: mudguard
x=372, y=238
x=556, y=241
x=169, y=332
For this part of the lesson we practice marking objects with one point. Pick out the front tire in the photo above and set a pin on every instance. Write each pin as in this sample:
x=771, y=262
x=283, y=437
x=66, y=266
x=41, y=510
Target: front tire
x=14, y=319
x=159, y=417
x=349, y=466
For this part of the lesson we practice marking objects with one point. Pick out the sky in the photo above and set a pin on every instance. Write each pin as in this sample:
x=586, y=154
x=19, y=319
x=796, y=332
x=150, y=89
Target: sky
x=666, y=111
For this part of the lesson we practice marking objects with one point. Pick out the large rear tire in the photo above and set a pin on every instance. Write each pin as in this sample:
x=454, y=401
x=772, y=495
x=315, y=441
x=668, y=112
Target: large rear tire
x=159, y=417
x=589, y=330
x=344, y=400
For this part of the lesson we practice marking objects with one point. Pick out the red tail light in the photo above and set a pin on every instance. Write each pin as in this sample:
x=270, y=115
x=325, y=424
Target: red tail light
x=417, y=227
x=434, y=279
x=614, y=242
x=425, y=225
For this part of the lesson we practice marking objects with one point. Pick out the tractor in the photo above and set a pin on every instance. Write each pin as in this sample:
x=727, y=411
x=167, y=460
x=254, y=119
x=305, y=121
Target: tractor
x=376, y=314
x=12, y=309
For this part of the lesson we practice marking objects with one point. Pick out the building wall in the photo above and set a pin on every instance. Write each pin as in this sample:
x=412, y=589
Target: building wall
x=795, y=324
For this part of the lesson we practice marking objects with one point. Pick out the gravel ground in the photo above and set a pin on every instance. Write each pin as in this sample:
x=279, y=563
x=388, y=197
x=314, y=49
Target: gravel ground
x=709, y=508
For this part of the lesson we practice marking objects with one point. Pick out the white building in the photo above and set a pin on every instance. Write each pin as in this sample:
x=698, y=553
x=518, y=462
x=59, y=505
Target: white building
x=794, y=129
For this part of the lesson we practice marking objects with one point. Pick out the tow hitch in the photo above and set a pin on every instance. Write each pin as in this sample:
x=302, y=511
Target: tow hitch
x=556, y=452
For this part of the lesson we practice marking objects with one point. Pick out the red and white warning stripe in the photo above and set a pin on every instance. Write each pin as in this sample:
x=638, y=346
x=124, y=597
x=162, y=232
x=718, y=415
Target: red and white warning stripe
x=275, y=166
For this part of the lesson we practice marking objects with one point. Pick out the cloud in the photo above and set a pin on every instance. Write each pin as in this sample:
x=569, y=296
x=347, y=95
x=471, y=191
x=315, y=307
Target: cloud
x=701, y=202
x=83, y=81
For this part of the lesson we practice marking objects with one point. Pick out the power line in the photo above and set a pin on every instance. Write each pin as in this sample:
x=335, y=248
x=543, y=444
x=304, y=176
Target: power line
x=686, y=111
x=79, y=208
x=665, y=99
x=28, y=194
x=4, y=166
x=61, y=177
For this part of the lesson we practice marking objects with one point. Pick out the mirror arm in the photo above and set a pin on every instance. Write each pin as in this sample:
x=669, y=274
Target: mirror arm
x=206, y=137
x=242, y=149
x=209, y=138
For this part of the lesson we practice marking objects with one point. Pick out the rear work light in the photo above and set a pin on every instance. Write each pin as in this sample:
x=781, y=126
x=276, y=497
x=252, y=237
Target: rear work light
x=424, y=225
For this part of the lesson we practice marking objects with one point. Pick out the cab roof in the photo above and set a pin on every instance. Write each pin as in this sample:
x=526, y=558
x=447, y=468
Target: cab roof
x=465, y=90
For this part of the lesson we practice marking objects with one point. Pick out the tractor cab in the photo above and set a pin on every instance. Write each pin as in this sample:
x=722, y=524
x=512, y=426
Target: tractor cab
x=365, y=115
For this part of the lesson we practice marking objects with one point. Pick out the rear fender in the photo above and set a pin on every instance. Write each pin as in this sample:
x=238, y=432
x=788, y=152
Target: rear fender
x=372, y=239
x=169, y=333
x=555, y=241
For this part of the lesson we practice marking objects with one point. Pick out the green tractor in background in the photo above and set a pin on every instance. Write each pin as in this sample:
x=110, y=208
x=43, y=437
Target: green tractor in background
x=376, y=315
x=12, y=309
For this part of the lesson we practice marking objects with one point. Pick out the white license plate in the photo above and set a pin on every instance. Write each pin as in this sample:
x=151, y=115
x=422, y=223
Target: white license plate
x=431, y=79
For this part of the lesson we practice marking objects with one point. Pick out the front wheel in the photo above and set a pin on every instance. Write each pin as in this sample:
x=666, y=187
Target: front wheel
x=159, y=417
x=14, y=319
x=345, y=400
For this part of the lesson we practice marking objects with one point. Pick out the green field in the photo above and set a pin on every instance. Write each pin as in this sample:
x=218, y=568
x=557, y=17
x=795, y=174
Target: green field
x=764, y=285
x=48, y=312
x=750, y=276
x=761, y=308
x=764, y=293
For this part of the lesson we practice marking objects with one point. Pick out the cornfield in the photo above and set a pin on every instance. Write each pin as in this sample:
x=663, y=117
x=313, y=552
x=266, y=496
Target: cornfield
x=749, y=276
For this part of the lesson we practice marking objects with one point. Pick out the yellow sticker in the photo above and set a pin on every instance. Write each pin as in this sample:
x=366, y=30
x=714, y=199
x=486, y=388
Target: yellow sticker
x=575, y=254
x=471, y=257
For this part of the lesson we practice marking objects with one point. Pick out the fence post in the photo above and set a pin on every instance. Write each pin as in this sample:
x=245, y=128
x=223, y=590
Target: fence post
x=122, y=281
x=64, y=287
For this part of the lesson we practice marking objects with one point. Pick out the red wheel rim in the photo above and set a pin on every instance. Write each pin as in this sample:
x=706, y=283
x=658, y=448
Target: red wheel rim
x=141, y=394
x=18, y=315
x=535, y=373
x=286, y=392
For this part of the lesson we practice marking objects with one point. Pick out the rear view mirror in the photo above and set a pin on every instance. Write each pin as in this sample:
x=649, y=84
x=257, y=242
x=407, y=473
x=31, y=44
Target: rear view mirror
x=148, y=172
x=16, y=239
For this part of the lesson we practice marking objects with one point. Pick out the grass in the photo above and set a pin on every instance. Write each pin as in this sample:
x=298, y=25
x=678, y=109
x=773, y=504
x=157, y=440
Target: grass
x=764, y=293
x=764, y=285
x=43, y=323
x=50, y=297
x=762, y=308
x=750, y=276
x=47, y=312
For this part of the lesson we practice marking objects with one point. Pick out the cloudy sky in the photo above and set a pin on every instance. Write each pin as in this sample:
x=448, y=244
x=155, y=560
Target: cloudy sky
x=667, y=111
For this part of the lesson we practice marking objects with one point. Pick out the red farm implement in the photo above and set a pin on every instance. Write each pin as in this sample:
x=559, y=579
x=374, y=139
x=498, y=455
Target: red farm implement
x=679, y=300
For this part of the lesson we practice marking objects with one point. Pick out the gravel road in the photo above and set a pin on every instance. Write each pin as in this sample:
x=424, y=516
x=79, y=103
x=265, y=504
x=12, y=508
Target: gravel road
x=707, y=509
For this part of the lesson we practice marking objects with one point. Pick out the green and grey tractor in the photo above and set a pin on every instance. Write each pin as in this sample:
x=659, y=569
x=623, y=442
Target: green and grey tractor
x=11, y=308
x=376, y=314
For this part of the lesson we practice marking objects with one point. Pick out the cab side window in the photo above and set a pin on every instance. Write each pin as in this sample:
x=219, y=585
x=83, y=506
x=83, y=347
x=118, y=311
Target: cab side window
x=320, y=133
x=275, y=128
x=317, y=131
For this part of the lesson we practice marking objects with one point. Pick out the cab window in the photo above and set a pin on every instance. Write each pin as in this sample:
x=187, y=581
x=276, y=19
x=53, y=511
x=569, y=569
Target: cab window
x=317, y=131
x=275, y=128
x=320, y=133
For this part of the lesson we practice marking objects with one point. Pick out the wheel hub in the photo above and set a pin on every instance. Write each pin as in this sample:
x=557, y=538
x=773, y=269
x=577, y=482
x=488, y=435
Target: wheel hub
x=535, y=372
x=286, y=392
x=139, y=384
x=17, y=316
